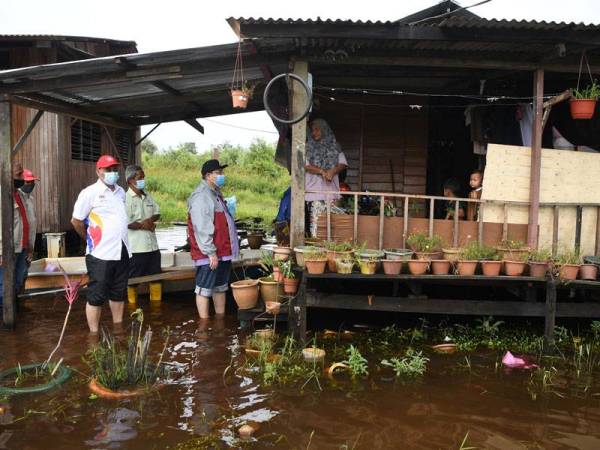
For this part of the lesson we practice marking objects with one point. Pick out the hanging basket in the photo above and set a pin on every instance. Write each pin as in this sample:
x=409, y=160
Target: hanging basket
x=239, y=99
x=582, y=109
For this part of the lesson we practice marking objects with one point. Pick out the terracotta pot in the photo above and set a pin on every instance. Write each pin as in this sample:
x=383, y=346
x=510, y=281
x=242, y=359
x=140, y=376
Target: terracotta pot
x=538, y=269
x=273, y=307
x=344, y=267
x=265, y=334
x=568, y=271
x=392, y=266
x=429, y=255
x=451, y=254
x=105, y=392
x=514, y=268
x=312, y=354
x=255, y=240
x=582, y=109
x=491, y=268
x=277, y=275
x=332, y=256
x=290, y=285
x=315, y=266
x=588, y=272
x=367, y=267
x=418, y=266
x=466, y=268
x=440, y=267
x=270, y=290
x=299, y=252
x=239, y=99
x=281, y=253
x=445, y=348
x=512, y=254
x=245, y=293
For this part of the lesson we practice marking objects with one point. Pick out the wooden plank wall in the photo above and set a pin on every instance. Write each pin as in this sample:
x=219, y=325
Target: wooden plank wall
x=396, y=135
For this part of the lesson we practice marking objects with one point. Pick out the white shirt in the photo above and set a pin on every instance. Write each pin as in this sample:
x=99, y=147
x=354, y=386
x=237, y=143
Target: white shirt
x=103, y=211
x=140, y=208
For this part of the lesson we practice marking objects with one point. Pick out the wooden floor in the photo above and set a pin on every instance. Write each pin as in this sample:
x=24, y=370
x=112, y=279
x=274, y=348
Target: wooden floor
x=525, y=296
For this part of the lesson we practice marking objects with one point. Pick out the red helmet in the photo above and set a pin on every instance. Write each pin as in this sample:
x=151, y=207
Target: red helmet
x=29, y=176
x=106, y=161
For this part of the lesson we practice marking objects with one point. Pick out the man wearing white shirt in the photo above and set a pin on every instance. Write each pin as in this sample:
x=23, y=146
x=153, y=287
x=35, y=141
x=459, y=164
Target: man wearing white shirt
x=101, y=209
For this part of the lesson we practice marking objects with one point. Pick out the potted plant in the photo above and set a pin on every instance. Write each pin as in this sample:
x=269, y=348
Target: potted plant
x=281, y=253
x=539, y=262
x=468, y=259
x=345, y=264
x=425, y=247
x=490, y=261
x=368, y=266
x=255, y=234
x=451, y=253
x=512, y=250
x=299, y=252
x=418, y=266
x=440, y=266
x=516, y=266
x=315, y=261
x=568, y=264
x=392, y=266
x=241, y=95
x=270, y=290
x=290, y=282
x=335, y=250
x=398, y=254
x=245, y=293
x=588, y=271
x=583, y=102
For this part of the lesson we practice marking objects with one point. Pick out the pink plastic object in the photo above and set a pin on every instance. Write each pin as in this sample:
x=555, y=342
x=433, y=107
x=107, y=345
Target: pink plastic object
x=515, y=362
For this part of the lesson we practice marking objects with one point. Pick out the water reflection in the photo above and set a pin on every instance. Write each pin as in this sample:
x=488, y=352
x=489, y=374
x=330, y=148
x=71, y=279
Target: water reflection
x=118, y=427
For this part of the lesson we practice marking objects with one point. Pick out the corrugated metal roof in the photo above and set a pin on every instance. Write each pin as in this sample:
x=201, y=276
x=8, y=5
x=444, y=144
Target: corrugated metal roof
x=317, y=21
x=465, y=22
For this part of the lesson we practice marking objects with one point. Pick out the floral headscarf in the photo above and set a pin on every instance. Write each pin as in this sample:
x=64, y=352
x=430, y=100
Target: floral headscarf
x=323, y=153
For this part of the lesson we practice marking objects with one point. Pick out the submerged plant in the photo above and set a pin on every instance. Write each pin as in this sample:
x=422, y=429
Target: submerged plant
x=412, y=365
x=356, y=362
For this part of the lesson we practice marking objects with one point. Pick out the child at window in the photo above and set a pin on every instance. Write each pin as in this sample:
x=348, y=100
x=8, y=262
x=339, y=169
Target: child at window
x=451, y=190
x=476, y=183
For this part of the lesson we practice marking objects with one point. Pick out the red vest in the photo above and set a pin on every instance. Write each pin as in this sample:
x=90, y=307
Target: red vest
x=220, y=237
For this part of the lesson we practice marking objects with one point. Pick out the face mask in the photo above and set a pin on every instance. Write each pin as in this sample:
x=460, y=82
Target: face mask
x=140, y=184
x=27, y=188
x=220, y=180
x=111, y=178
x=18, y=183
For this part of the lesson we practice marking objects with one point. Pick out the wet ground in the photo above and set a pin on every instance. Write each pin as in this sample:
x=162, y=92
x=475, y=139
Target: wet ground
x=200, y=408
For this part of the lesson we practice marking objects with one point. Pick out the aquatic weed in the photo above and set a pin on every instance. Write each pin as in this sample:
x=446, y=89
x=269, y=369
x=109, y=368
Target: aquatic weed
x=356, y=362
x=412, y=365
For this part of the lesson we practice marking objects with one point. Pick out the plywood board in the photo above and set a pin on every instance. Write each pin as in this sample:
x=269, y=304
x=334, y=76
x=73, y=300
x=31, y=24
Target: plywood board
x=566, y=177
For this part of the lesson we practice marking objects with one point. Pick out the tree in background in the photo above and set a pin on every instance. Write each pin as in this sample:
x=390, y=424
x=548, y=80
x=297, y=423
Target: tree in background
x=149, y=147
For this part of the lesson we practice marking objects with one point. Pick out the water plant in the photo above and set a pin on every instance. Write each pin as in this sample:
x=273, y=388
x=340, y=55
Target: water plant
x=356, y=362
x=412, y=365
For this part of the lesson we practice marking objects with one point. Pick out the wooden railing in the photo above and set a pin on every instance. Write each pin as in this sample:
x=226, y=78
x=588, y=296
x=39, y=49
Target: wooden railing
x=431, y=199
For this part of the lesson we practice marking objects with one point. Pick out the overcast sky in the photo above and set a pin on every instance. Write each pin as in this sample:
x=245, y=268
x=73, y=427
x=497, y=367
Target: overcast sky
x=166, y=25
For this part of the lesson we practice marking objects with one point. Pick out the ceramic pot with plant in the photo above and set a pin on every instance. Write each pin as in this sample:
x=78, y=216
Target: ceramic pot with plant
x=451, y=253
x=401, y=254
x=270, y=290
x=583, y=102
x=418, y=266
x=245, y=293
x=290, y=282
x=241, y=95
x=539, y=263
x=367, y=266
x=516, y=267
x=392, y=266
x=281, y=253
x=299, y=252
x=440, y=266
x=512, y=250
x=345, y=264
x=337, y=250
x=588, y=272
x=254, y=236
x=425, y=247
x=568, y=264
x=315, y=261
x=466, y=265
x=491, y=266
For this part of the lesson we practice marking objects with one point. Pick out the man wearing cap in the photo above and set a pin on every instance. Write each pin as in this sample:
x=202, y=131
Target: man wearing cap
x=142, y=214
x=24, y=231
x=101, y=207
x=213, y=239
x=25, y=192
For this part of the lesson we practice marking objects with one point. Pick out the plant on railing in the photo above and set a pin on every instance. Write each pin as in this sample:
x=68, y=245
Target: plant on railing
x=471, y=252
x=512, y=244
x=315, y=255
x=421, y=242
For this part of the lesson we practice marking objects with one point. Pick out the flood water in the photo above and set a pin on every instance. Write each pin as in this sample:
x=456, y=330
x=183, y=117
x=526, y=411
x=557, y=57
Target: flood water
x=493, y=407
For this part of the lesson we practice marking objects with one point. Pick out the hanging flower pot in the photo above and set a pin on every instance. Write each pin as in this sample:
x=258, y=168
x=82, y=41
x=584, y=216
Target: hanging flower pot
x=583, y=102
x=582, y=109
x=241, y=91
x=239, y=99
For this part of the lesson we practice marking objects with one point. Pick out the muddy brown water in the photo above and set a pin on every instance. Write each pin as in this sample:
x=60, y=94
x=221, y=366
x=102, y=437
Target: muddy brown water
x=493, y=408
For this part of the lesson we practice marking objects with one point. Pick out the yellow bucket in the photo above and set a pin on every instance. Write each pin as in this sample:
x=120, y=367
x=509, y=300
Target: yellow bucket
x=155, y=292
x=132, y=295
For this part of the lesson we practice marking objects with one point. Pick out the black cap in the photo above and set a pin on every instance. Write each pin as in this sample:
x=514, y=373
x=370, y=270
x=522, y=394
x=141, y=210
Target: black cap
x=211, y=165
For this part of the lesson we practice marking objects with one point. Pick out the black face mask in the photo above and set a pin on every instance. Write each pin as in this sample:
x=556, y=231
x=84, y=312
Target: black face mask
x=18, y=183
x=27, y=188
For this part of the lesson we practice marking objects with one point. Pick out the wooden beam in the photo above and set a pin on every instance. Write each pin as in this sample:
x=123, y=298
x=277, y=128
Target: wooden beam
x=195, y=125
x=298, y=158
x=548, y=104
x=550, y=314
x=30, y=127
x=536, y=158
x=598, y=231
x=143, y=138
x=6, y=200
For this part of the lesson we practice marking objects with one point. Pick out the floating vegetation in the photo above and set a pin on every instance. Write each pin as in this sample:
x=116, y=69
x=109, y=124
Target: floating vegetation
x=412, y=365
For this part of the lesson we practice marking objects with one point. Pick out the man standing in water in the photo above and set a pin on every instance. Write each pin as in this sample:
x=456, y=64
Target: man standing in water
x=213, y=239
x=101, y=207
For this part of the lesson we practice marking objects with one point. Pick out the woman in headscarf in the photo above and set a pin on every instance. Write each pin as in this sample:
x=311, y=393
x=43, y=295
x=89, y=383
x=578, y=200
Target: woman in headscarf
x=324, y=161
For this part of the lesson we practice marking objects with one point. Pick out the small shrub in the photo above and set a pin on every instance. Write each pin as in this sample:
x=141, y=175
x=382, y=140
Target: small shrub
x=421, y=242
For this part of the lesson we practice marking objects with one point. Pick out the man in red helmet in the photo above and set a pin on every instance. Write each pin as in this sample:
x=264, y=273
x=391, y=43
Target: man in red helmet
x=101, y=209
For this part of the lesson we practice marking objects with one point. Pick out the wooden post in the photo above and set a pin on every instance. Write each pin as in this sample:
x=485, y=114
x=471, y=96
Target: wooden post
x=598, y=231
x=536, y=158
x=555, y=231
x=578, y=228
x=431, y=216
x=480, y=224
x=298, y=158
x=405, y=224
x=355, y=228
x=550, y=315
x=455, y=232
x=6, y=200
x=381, y=220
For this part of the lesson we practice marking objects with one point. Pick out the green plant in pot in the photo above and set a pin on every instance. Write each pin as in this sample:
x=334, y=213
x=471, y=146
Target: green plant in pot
x=345, y=264
x=511, y=250
x=516, y=266
x=315, y=261
x=290, y=282
x=491, y=265
x=583, y=101
x=468, y=259
x=539, y=262
x=335, y=250
x=567, y=265
x=425, y=247
x=368, y=266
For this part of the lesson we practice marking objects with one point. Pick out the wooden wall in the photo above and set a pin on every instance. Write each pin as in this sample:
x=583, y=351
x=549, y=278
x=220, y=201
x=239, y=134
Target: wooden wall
x=379, y=140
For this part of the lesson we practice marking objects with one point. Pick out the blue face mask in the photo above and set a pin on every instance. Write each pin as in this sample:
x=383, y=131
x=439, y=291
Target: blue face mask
x=140, y=184
x=220, y=180
x=110, y=178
